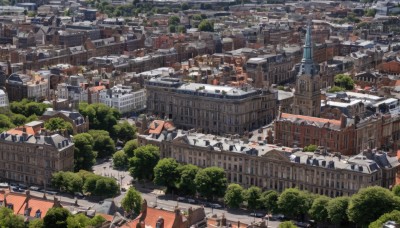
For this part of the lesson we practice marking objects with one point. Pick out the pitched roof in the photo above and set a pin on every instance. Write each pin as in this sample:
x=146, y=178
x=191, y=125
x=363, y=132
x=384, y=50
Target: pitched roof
x=152, y=217
x=310, y=119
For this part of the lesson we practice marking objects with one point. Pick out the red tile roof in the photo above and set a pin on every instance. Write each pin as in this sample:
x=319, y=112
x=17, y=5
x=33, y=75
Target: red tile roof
x=19, y=131
x=153, y=215
x=310, y=118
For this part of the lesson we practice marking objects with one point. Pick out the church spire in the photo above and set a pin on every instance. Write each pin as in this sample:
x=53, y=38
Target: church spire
x=307, y=51
x=307, y=63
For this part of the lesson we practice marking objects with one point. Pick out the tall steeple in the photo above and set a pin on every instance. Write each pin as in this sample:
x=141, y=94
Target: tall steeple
x=307, y=66
x=307, y=96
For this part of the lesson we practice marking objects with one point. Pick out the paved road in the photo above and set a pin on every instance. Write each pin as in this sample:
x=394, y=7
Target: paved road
x=153, y=197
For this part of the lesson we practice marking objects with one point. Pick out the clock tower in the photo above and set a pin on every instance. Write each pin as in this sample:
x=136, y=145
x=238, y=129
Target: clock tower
x=307, y=96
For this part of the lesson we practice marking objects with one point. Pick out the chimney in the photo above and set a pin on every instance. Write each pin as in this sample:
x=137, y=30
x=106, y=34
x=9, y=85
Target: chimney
x=343, y=121
x=143, y=211
x=178, y=218
x=160, y=222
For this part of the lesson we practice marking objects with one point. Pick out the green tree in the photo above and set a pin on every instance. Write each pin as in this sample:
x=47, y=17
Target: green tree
x=269, y=201
x=101, y=117
x=392, y=216
x=96, y=221
x=104, y=146
x=370, y=12
x=141, y=165
x=252, y=196
x=287, y=224
x=335, y=89
x=84, y=155
x=18, y=119
x=172, y=28
x=185, y=6
x=56, y=217
x=344, y=81
x=310, y=148
x=5, y=123
x=166, y=173
x=124, y=131
x=106, y=187
x=67, y=181
x=28, y=108
x=396, y=190
x=181, y=29
x=370, y=203
x=56, y=124
x=206, y=25
x=78, y=221
x=211, y=182
x=337, y=208
x=173, y=20
x=293, y=202
x=132, y=201
x=234, y=196
x=120, y=160
x=197, y=17
x=130, y=147
x=36, y=223
x=186, y=183
x=8, y=219
x=318, y=210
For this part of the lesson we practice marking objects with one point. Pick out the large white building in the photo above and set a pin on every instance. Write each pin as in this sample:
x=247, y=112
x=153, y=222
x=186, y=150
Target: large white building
x=124, y=98
x=3, y=99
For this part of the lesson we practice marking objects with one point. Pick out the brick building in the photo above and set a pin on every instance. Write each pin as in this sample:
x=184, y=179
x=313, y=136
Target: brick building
x=30, y=156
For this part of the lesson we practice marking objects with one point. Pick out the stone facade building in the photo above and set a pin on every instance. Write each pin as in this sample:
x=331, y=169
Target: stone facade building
x=30, y=156
x=307, y=97
x=278, y=168
x=213, y=109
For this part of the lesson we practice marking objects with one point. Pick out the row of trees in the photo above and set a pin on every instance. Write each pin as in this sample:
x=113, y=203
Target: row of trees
x=55, y=217
x=20, y=113
x=86, y=182
x=371, y=206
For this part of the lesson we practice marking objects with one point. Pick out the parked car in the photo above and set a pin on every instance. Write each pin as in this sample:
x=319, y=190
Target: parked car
x=192, y=201
x=181, y=199
x=277, y=217
x=16, y=189
x=34, y=188
x=302, y=224
x=4, y=185
x=22, y=186
x=257, y=215
x=215, y=206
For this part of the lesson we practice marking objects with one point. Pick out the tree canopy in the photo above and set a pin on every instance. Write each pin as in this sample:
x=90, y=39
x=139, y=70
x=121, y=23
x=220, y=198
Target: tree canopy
x=130, y=147
x=141, y=165
x=318, y=210
x=186, y=183
x=166, y=173
x=103, y=144
x=344, y=81
x=287, y=224
x=211, y=182
x=123, y=131
x=57, y=123
x=206, y=25
x=234, y=196
x=8, y=219
x=337, y=209
x=132, y=201
x=120, y=160
x=28, y=108
x=84, y=155
x=101, y=117
x=56, y=217
x=392, y=216
x=369, y=203
x=293, y=202
x=310, y=148
x=252, y=196
x=269, y=201
x=173, y=20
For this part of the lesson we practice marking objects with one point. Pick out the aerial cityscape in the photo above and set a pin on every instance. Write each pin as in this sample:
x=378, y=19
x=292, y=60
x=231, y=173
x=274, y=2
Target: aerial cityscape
x=199, y=113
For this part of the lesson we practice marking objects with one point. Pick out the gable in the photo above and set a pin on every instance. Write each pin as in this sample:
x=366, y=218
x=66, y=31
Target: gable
x=276, y=155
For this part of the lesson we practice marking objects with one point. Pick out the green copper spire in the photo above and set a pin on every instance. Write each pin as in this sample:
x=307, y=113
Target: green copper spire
x=307, y=52
x=307, y=65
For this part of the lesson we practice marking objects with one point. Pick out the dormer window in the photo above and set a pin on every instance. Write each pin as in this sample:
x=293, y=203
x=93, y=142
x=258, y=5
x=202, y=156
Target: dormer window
x=10, y=206
x=38, y=214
